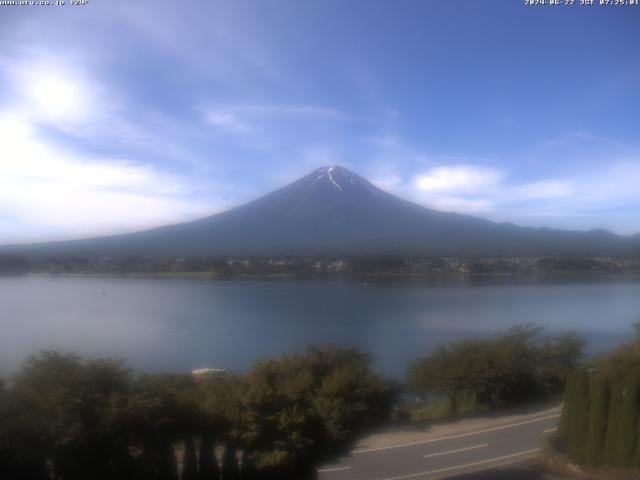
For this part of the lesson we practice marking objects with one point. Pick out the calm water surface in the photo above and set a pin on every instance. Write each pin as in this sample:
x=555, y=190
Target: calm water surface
x=179, y=325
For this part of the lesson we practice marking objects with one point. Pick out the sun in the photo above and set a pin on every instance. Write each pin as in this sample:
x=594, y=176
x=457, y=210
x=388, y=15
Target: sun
x=57, y=97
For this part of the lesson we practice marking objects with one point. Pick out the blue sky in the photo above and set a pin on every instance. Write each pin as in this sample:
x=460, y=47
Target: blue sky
x=118, y=116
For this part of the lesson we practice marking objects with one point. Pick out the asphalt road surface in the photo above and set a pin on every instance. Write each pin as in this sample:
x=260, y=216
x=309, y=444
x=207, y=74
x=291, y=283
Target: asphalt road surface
x=460, y=455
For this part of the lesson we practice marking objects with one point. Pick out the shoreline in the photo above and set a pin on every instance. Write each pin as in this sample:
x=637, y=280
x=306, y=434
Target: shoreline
x=389, y=276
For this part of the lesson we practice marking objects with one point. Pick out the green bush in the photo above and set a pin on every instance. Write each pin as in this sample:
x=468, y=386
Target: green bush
x=516, y=367
x=302, y=411
x=432, y=411
x=95, y=420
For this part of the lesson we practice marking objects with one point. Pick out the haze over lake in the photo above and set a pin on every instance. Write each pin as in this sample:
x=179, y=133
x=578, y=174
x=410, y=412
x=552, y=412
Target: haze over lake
x=179, y=325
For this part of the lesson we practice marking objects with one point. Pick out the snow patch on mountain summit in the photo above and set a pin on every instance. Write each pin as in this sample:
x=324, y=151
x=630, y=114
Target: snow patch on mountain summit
x=326, y=172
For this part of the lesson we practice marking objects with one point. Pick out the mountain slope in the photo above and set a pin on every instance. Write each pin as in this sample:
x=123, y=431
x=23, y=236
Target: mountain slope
x=333, y=210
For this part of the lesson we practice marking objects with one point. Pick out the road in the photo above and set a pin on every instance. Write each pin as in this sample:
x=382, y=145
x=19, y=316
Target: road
x=450, y=456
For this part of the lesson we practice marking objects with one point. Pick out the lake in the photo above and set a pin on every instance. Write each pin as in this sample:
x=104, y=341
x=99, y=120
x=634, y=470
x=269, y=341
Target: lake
x=179, y=325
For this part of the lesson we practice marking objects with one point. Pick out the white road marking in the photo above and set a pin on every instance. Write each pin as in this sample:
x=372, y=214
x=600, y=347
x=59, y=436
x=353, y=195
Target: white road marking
x=336, y=469
x=549, y=430
x=467, y=465
x=456, y=451
x=461, y=435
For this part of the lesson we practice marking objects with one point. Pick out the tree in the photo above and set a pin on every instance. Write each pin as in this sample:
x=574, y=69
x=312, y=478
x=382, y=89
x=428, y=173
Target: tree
x=72, y=413
x=620, y=362
x=230, y=467
x=21, y=456
x=163, y=411
x=515, y=367
x=567, y=410
x=305, y=410
x=13, y=264
x=463, y=369
x=189, y=461
x=517, y=353
x=600, y=397
x=579, y=423
x=207, y=463
x=220, y=399
x=248, y=469
x=442, y=373
x=613, y=424
x=94, y=420
x=636, y=459
x=558, y=357
x=628, y=428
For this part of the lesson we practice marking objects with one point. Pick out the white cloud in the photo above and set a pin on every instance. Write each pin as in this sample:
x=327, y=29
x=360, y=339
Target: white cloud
x=591, y=199
x=544, y=190
x=245, y=119
x=62, y=95
x=459, y=178
x=461, y=204
x=45, y=190
x=619, y=181
x=50, y=192
x=226, y=122
x=289, y=110
x=388, y=182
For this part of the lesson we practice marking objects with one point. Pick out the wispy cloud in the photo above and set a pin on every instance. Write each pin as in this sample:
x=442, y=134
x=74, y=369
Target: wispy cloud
x=461, y=204
x=289, y=110
x=61, y=96
x=548, y=189
x=251, y=119
x=227, y=122
x=49, y=192
x=459, y=178
x=583, y=199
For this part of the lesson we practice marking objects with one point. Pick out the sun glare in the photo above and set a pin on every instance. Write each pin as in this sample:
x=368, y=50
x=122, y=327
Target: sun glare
x=57, y=97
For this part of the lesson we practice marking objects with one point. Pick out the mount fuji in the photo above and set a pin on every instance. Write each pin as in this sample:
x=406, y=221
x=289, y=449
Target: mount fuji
x=334, y=211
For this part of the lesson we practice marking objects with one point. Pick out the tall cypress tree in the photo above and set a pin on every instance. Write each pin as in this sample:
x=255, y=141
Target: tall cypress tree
x=628, y=428
x=159, y=462
x=248, y=469
x=230, y=468
x=579, y=426
x=636, y=460
x=567, y=409
x=207, y=462
x=599, y=410
x=613, y=423
x=189, y=461
x=167, y=466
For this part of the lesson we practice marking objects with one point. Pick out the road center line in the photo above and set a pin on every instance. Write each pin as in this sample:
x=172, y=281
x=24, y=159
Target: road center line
x=456, y=451
x=461, y=435
x=336, y=469
x=466, y=465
